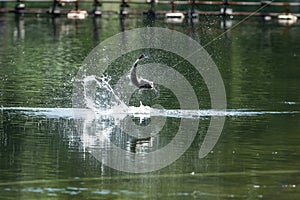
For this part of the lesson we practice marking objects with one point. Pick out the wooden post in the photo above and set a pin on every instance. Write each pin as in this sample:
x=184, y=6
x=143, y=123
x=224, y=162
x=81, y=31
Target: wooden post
x=151, y=15
x=123, y=5
x=97, y=8
x=55, y=8
x=193, y=16
x=19, y=6
x=225, y=10
x=76, y=5
x=193, y=7
x=225, y=4
x=172, y=6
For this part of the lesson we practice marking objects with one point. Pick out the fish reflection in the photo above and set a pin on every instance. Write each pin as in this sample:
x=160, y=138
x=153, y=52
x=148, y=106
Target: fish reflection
x=140, y=145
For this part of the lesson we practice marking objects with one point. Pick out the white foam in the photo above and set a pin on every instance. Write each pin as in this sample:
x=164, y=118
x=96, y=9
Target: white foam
x=141, y=111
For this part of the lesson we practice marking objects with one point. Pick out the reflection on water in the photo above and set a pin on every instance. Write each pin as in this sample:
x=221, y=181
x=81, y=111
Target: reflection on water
x=45, y=153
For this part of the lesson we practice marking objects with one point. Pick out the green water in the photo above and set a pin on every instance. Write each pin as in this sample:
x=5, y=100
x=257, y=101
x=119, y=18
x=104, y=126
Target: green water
x=256, y=157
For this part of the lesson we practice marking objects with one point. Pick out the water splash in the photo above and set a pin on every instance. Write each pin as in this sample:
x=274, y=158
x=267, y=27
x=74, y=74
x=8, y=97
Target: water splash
x=99, y=95
x=101, y=98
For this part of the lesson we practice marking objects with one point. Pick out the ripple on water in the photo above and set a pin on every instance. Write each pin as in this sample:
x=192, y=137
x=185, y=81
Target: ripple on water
x=72, y=191
x=290, y=102
x=101, y=192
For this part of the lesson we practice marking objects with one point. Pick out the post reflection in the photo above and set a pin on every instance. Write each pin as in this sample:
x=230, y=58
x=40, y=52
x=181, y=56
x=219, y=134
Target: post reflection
x=19, y=30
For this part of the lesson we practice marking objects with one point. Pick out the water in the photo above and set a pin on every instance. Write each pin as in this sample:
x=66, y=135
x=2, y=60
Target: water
x=48, y=148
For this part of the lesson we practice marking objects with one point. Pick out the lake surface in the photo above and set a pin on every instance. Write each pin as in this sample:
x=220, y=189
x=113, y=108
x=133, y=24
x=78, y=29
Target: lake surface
x=46, y=151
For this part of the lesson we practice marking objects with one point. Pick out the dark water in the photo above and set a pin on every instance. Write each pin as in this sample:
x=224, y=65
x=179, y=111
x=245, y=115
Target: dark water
x=42, y=153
